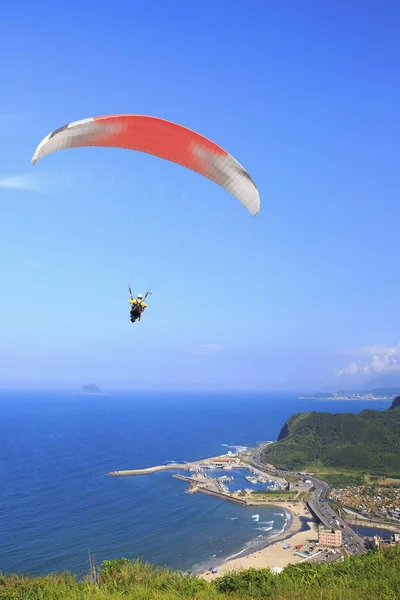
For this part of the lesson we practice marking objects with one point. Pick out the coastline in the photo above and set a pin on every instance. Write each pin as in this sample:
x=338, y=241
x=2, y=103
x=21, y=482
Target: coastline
x=300, y=529
x=334, y=399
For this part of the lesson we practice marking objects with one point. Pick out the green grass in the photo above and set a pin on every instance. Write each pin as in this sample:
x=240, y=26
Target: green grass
x=374, y=576
x=285, y=493
x=319, y=469
x=343, y=480
x=274, y=496
x=387, y=481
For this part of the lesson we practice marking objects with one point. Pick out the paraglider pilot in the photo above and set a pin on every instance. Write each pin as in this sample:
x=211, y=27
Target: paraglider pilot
x=137, y=306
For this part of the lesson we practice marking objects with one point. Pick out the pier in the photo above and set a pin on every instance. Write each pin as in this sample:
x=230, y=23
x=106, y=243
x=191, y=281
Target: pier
x=216, y=461
x=209, y=487
x=149, y=470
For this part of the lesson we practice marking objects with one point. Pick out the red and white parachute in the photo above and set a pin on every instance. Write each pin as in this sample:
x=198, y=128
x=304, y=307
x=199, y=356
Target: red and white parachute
x=160, y=138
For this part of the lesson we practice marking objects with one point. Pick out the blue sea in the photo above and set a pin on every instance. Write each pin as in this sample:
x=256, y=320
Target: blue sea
x=57, y=501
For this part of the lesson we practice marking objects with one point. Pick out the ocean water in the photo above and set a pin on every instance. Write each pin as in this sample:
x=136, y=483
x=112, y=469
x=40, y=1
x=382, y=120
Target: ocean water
x=57, y=501
x=371, y=531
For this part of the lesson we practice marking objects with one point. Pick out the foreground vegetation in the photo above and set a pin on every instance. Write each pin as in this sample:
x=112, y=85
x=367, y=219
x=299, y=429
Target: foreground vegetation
x=368, y=442
x=373, y=576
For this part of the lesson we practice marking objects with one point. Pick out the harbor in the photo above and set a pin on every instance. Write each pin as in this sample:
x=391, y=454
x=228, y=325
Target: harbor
x=238, y=478
x=209, y=476
x=232, y=478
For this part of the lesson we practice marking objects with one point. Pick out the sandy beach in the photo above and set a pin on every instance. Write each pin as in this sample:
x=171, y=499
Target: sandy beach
x=274, y=555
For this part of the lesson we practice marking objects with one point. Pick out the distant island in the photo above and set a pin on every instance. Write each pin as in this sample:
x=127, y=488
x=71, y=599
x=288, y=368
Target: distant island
x=367, y=441
x=90, y=390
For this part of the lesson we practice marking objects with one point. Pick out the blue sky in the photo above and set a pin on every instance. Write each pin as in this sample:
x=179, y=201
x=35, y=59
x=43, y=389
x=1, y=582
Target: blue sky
x=305, y=95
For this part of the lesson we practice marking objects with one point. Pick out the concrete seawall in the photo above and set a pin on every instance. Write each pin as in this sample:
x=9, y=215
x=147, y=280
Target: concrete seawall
x=223, y=496
x=197, y=486
x=363, y=522
x=177, y=466
x=149, y=470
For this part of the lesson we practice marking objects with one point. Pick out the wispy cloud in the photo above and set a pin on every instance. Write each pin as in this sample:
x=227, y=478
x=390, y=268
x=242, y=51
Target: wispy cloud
x=378, y=358
x=352, y=369
x=211, y=348
x=32, y=182
x=373, y=349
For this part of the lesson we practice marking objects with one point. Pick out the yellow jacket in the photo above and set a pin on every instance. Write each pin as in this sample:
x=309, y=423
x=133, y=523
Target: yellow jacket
x=135, y=301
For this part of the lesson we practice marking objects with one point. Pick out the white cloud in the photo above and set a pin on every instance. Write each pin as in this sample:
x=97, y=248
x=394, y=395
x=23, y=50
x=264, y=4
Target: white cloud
x=379, y=358
x=30, y=182
x=352, y=369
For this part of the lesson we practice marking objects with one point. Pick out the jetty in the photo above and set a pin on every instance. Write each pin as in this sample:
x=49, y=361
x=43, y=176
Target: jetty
x=223, y=462
x=208, y=486
x=149, y=470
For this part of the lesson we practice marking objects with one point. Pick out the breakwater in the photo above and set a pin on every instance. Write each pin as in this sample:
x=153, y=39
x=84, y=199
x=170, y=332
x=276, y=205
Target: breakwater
x=363, y=522
x=212, y=461
x=197, y=485
x=223, y=496
x=149, y=470
x=210, y=488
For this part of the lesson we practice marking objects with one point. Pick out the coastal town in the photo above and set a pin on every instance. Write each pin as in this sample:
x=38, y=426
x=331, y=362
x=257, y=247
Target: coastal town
x=347, y=396
x=371, y=501
x=314, y=531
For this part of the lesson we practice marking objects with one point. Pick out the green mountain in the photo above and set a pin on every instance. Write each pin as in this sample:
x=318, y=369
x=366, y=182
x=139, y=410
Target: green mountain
x=395, y=403
x=369, y=441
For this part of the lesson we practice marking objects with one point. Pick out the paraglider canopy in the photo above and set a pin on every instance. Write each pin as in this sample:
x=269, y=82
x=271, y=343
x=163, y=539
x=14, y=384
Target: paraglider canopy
x=161, y=138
